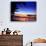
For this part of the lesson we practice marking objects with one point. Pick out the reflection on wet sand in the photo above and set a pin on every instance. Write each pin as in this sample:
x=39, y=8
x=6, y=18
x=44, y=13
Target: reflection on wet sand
x=23, y=17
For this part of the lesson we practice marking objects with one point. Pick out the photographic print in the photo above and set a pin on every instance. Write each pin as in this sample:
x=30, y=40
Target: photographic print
x=23, y=11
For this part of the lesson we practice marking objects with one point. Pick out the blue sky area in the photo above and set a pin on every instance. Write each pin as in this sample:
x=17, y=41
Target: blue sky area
x=26, y=7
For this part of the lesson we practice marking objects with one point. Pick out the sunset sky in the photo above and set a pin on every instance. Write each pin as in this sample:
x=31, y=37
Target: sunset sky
x=25, y=7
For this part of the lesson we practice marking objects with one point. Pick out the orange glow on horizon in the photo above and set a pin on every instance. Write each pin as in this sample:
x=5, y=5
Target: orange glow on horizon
x=22, y=15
